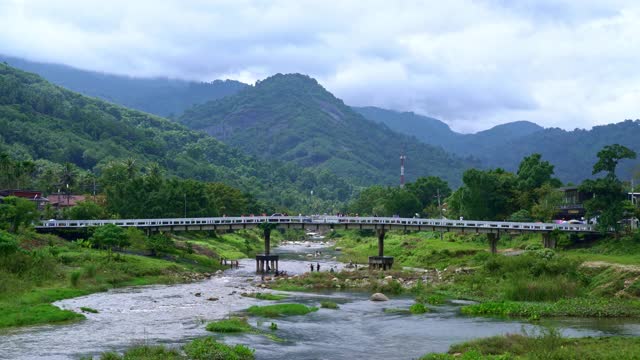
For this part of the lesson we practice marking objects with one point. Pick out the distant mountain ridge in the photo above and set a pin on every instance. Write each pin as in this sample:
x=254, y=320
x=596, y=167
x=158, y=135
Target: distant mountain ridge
x=159, y=96
x=572, y=152
x=292, y=118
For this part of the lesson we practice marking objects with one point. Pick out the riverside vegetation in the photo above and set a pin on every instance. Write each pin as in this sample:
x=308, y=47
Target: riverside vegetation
x=523, y=281
x=37, y=269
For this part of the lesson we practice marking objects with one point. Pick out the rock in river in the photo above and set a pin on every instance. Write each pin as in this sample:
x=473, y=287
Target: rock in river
x=378, y=297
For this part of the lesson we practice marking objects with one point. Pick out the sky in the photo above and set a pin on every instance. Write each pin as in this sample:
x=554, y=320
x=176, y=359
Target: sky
x=473, y=64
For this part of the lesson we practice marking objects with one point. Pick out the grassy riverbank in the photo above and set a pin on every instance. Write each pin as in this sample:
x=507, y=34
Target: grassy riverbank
x=546, y=345
x=199, y=349
x=525, y=280
x=45, y=268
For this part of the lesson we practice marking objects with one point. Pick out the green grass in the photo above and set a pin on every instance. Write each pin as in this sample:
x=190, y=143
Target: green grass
x=329, y=305
x=579, y=307
x=546, y=345
x=418, y=308
x=280, y=310
x=270, y=296
x=89, y=310
x=24, y=315
x=231, y=325
x=199, y=349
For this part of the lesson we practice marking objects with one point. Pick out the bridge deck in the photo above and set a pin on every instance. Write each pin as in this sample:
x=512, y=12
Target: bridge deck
x=316, y=221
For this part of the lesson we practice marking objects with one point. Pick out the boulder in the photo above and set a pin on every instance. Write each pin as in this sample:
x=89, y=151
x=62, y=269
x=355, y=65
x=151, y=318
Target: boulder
x=213, y=299
x=378, y=297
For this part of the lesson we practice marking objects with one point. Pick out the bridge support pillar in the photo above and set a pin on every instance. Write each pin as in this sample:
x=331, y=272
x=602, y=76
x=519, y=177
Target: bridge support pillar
x=380, y=262
x=266, y=262
x=493, y=242
x=548, y=241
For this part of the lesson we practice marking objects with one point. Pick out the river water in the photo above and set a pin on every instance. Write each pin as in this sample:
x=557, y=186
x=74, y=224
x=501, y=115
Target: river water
x=174, y=314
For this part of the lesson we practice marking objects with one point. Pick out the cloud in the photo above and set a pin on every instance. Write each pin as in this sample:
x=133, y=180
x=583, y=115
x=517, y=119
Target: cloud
x=474, y=64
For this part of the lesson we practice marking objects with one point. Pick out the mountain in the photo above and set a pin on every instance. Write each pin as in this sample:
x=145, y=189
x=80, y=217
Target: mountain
x=572, y=152
x=39, y=120
x=292, y=118
x=159, y=96
x=435, y=132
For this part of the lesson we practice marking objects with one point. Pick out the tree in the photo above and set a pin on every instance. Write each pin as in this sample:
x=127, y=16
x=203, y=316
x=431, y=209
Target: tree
x=532, y=174
x=86, y=210
x=109, y=236
x=159, y=243
x=428, y=189
x=16, y=212
x=401, y=202
x=487, y=195
x=370, y=201
x=608, y=202
x=609, y=157
x=8, y=245
x=547, y=205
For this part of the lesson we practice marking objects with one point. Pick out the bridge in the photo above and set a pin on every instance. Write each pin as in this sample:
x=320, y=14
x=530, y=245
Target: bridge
x=381, y=225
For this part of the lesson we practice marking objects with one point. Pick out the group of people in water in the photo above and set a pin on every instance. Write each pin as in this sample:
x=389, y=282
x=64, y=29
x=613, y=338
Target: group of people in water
x=232, y=263
x=317, y=267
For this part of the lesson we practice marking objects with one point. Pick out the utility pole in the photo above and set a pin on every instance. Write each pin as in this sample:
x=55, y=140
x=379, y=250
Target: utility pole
x=402, y=158
x=439, y=206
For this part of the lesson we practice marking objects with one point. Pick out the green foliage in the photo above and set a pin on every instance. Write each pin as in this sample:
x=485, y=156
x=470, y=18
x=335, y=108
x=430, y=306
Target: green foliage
x=8, y=244
x=316, y=131
x=329, y=305
x=89, y=310
x=55, y=126
x=270, y=296
x=486, y=195
x=109, y=236
x=280, y=310
x=209, y=349
x=16, y=212
x=85, y=210
x=159, y=243
x=521, y=215
x=231, y=325
x=74, y=277
x=576, y=307
x=273, y=326
x=418, y=308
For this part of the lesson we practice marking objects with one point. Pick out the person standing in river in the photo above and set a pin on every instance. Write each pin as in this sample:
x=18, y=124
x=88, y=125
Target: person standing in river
x=311, y=265
x=317, y=267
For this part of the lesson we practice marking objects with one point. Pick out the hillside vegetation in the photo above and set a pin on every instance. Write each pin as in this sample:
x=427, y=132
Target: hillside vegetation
x=159, y=96
x=572, y=152
x=42, y=121
x=292, y=118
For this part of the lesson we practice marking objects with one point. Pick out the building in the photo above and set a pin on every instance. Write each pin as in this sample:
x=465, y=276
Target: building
x=32, y=195
x=61, y=201
x=572, y=206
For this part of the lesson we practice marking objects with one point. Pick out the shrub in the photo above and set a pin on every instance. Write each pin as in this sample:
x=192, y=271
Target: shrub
x=74, y=277
x=232, y=325
x=329, y=305
x=280, y=309
x=209, y=349
x=418, y=308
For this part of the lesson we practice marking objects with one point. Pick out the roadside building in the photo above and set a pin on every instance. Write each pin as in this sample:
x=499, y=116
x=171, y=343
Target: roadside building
x=31, y=195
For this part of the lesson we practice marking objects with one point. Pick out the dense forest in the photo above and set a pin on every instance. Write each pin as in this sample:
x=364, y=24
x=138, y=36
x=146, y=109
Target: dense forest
x=572, y=152
x=53, y=126
x=159, y=96
x=292, y=118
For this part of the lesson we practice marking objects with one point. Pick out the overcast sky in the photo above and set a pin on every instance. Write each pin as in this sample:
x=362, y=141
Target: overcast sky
x=473, y=64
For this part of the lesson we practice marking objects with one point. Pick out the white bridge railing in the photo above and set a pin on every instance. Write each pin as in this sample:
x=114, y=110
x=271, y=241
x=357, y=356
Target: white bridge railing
x=321, y=219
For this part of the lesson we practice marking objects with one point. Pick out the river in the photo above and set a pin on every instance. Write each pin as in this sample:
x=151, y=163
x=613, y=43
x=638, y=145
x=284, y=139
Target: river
x=174, y=314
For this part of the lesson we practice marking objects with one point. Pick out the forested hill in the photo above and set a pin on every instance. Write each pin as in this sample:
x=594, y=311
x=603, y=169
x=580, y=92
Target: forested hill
x=160, y=96
x=292, y=118
x=39, y=120
x=572, y=152
x=436, y=132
